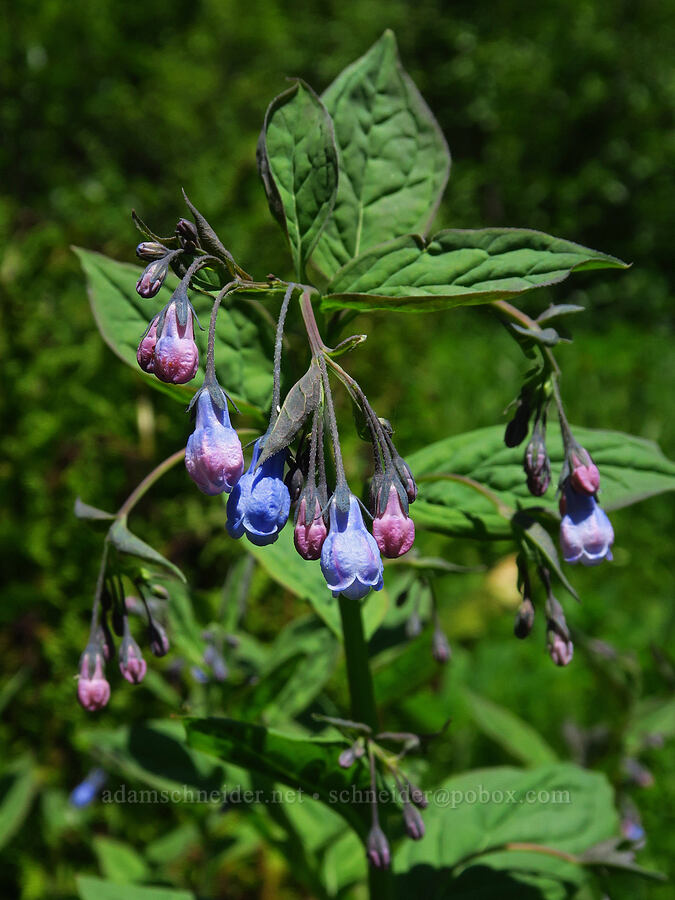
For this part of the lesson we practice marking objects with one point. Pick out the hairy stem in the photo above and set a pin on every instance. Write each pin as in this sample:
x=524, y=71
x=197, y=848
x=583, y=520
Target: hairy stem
x=276, y=393
x=211, y=348
x=341, y=479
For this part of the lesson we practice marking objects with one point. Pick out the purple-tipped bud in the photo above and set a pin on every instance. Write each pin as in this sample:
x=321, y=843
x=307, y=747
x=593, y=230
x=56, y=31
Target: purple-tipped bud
x=350, y=558
x=586, y=534
x=585, y=477
x=176, y=354
x=149, y=251
x=377, y=848
x=309, y=537
x=213, y=456
x=159, y=640
x=524, y=619
x=417, y=796
x=187, y=232
x=412, y=820
x=93, y=691
x=146, y=349
x=537, y=465
x=132, y=664
x=152, y=279
x=347, y=758
x=560, y=650
x=394, y=530
x=440, y=646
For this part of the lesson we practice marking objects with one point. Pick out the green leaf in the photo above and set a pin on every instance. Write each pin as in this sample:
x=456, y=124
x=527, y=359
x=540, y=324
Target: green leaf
x=89, y=888
x=84, y=511
x=301, y=401
x=536, y=536
x=154, y=754
x=243, y=335
x=631, y=469
x=394, y=161
x=283, y=563
x=653, y=720
x=302, y=763
x=560, y=807
x=18, y=784
x=126, y=542
x=508, y=730
x=297, y=161
x=119, y=862
x=458, y=267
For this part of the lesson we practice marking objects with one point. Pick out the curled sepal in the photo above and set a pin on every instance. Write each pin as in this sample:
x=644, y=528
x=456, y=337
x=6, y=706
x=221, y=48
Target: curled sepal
x=301, y=401
x=210, y=241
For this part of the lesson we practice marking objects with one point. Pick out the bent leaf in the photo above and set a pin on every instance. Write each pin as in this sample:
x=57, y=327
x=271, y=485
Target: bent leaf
x=126, y=542
x=631, y=469
x=243, y=338
x=394, y=161
x=458, y=267
x=297, y=161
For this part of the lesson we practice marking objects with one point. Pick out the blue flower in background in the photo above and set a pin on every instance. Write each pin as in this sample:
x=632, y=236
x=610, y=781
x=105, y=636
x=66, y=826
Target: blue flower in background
x=260, y=502
x=350, y=558
x=87, y=791
x=586, y=534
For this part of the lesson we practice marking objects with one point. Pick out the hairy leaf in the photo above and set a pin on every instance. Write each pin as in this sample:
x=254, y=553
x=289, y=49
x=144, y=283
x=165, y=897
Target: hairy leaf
x=458, y=267
x=301, y=401
x=631, y=469
x=243, y=336
x=394, y=161
x=126, y=542
x=297, y=161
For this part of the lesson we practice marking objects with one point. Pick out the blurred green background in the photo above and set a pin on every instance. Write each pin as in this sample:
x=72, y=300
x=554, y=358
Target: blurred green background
x=559, y=116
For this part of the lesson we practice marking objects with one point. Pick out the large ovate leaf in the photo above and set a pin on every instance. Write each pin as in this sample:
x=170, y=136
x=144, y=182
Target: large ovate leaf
x=394, y=161
x=243, y=336
x=297, y=161
x=458, y=267
x=283, y=563
x=631, y=469
x=513, y=813
x=309, y=765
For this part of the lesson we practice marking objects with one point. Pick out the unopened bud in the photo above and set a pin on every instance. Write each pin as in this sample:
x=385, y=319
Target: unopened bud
x=377, y=848
x=413, y=627
x=146, y=349
x=412, y=820
x=516, y=430
x=585, y=477
x=347, y=758
x=93, y=691
x=524, y=619
x=417, y=796
x=187, y=233
x=537, y=465
x=309, y=537
x=560, y=650
x=149, y=251
x=393, y=529
x=159, y=641
x=294, y=481
x=440, y=646
x=132, y=664
x=152, y=278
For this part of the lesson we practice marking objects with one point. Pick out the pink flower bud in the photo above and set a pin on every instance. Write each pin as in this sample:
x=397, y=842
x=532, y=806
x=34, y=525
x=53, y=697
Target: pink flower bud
x=93, y=691
x=560, y=650
x=132, y=664
x=309, y=538
x=146, y=349
x=213, y=457
x=585, y=476
x=176, y=354
x=412, y=820
x=377, y=848
x=393, y=530
x=152, y=279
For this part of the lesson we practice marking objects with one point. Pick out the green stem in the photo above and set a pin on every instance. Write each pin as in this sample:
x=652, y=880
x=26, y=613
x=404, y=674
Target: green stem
x=148, y=482
x=363, y=708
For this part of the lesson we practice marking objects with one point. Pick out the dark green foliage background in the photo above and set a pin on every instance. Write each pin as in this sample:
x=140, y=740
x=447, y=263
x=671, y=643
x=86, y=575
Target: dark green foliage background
x=559, y=116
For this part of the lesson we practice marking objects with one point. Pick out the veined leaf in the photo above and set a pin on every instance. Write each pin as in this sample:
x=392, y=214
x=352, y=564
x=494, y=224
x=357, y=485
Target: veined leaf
x=458, y=267
x=302, y=763
x=394, y=161
x=297, y=161
x=243, y=337
x=631, y=469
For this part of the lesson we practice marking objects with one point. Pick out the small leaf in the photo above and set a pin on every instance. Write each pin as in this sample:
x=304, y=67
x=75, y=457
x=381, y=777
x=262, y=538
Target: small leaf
x=546, y=337
x=562, y=309
x=302, y=763
x=301, y=401
x=394, y=161
x=119, y=862
x=18, y=784
x=126, y=542
x=348, y=344
x=89, y=888
x=458, y=267
x=538, y=537
x=297, y=161
x=84, y=511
